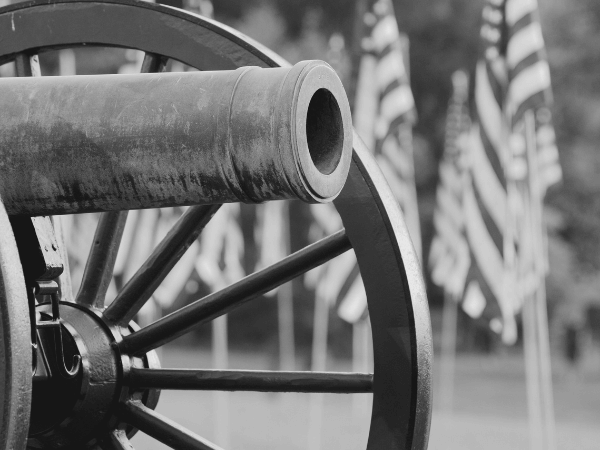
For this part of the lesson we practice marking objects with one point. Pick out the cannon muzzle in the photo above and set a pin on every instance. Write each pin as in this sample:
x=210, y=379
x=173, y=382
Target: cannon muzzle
x=113, y=142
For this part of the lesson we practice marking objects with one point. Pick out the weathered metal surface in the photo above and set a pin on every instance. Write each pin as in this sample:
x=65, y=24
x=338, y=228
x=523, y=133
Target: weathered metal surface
x=103, y=254
x=114, y=142
x=50, y=326
x=252, y=380
x=54, y=419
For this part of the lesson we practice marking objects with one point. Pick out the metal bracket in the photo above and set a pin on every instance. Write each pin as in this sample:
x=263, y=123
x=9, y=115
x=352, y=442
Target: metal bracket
x=51, y=288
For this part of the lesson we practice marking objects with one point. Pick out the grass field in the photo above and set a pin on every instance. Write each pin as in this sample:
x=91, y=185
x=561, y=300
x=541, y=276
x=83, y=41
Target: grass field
x=489, y=410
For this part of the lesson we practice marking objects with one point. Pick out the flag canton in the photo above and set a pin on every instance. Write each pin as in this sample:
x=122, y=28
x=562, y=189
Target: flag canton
x=457, y=119
x=493, y=36
x=449, y=257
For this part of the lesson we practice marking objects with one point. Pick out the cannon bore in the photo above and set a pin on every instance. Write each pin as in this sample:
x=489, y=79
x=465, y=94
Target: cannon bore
x=113, y=142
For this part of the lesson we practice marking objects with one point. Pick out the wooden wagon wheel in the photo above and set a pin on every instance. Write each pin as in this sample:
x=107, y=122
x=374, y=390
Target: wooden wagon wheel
x=105, y=417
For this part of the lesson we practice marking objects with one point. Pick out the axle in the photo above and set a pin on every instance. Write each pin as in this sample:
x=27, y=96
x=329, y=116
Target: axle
x=114, y=142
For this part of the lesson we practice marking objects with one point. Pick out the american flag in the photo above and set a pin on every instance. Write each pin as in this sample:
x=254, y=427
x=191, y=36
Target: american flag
x=511, y=79
x=384, y=115
x=532, y=149
x=449, y=257
x=384, y=112
x=529, y=89
x=485, y=198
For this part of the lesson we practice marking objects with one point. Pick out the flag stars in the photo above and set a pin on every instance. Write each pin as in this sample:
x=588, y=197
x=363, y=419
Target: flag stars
x=381, y=8
x=370, y=19
x=368, y=45
x=492, y=53
x=492, y=15
x=545, y=135
x=543, y=115
x=490, y=34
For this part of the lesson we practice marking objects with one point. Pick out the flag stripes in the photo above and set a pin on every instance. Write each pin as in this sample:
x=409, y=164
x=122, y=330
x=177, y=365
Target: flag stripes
x=491, y=191
x=524, y=43
x=530, y=93
x=384, y=115
x=512, y=81
x=529, y=72
x=486, y=202
x=490, y=117
x=390, y=136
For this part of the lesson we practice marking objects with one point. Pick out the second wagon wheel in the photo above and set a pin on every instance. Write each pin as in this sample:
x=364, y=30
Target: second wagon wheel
x=373, y=228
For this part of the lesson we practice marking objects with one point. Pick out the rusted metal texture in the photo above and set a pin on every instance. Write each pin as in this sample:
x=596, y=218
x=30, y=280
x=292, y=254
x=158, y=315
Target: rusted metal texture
x=115, y=142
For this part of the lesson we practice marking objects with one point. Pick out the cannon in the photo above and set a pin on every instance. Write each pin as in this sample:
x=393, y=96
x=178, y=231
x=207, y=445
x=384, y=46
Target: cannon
x=105, y=375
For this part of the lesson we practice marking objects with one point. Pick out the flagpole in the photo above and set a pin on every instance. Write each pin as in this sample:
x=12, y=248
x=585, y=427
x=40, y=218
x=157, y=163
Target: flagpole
x=532, y=375
x=539, y=307
x=448, y=353
x=285, y=315
x=318, y=364
x=285, y=303
x=530, y=347
x=66, y=62
x=220, y=356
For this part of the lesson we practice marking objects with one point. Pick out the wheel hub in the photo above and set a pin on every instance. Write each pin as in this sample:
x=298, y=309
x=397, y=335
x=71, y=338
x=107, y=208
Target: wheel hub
x=72, y=412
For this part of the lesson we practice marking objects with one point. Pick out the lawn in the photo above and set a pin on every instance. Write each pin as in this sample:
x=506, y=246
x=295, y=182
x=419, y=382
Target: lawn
x=489, y=410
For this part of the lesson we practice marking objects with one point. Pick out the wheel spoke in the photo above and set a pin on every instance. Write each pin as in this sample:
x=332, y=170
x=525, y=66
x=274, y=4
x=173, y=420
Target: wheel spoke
x=252, y=380
x=116, y=440
x=144, y=282
x=162, y=429
x=27, y=65
x=223, y=301
x=101, y=260
x=154, y=63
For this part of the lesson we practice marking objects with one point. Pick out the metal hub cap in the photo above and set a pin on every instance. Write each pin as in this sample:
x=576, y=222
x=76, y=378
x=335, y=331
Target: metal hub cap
x=68, y=412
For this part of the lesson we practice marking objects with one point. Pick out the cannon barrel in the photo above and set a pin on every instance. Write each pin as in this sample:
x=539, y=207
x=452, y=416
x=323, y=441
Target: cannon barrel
x=112, y=142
